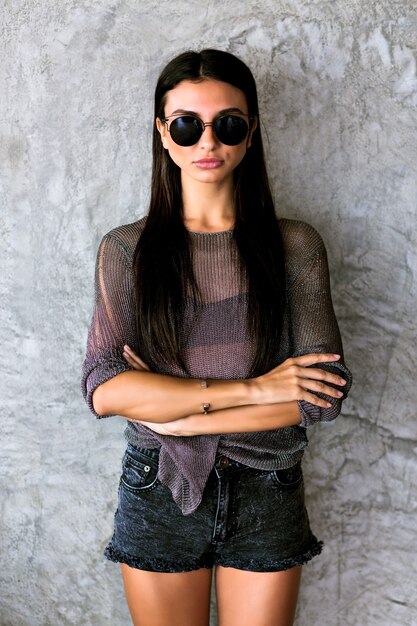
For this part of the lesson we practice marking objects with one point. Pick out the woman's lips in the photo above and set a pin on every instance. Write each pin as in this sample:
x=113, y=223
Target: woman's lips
x=208, y=164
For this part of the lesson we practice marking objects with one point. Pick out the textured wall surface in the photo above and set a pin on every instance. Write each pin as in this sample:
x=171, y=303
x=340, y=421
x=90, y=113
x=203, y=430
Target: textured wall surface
x=338, y=90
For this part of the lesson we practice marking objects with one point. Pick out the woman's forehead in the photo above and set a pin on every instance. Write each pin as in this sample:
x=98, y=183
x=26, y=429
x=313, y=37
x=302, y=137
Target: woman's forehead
x=206, y=96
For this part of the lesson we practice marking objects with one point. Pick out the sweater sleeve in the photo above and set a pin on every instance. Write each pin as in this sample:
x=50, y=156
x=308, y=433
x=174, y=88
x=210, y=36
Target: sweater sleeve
x=113, y=322
x=314, y=327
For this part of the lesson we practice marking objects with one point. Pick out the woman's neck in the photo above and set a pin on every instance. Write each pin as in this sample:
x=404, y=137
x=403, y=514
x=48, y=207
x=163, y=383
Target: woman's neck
x=208, y=207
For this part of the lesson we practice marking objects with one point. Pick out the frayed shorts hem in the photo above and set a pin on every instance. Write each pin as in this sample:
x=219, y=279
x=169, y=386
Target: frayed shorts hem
x=157, y=565
x=255, y=565
x=209, y=561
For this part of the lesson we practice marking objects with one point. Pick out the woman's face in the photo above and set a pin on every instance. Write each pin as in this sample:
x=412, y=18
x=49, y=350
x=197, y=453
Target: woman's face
x=209, y=160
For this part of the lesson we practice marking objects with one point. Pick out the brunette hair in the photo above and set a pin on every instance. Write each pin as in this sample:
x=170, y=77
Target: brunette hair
x=162, y=261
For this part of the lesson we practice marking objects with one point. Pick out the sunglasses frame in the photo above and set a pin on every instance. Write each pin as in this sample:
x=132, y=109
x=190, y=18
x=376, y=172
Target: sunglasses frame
x=251, y=119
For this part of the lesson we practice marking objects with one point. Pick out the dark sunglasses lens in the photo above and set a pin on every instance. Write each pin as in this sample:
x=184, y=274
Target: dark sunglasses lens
x=231, y=129
x=186, y=130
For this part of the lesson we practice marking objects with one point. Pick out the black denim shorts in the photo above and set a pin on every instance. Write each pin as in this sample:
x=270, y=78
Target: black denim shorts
x=248, y=519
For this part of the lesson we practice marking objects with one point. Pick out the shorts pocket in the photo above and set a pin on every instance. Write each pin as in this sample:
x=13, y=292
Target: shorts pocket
x=289, y=478
x=138, y=475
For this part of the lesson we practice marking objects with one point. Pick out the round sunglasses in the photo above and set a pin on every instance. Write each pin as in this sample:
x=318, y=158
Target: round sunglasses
x=186, y=130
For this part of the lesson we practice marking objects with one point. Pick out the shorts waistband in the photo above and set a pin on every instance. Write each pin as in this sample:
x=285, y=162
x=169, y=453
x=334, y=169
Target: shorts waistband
x=224, y=462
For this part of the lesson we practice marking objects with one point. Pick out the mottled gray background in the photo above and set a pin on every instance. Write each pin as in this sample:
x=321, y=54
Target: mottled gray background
x=338, y=91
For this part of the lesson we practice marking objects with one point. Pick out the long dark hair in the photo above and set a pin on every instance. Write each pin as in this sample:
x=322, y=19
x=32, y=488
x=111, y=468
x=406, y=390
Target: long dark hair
x=163, y=263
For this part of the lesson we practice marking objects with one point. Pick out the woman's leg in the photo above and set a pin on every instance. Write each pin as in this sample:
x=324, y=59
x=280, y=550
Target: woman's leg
x=257, y=599
x=157, y=599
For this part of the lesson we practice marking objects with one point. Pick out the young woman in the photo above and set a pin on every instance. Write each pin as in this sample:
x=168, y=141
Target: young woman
x=214, y=335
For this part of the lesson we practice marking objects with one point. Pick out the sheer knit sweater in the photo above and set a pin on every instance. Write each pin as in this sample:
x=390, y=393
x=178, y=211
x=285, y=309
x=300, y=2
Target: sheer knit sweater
x=218, y=346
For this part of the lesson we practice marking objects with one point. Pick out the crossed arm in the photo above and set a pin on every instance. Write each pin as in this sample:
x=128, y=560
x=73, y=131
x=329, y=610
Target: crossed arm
x=173, y=406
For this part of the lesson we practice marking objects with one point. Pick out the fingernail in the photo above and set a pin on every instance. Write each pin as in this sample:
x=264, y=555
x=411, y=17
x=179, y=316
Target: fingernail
x=340, y=394
x=328, y=404
x=336, y=356
x=342, y=381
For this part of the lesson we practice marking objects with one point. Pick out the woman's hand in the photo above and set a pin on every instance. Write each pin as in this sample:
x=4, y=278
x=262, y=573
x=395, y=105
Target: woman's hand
x=134, y=360
x=166, y=428
x=294, y=379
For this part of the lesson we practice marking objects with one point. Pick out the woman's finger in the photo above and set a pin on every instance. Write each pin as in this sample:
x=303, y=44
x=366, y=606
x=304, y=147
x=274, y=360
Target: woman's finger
x=312, y=399
x=129, y=358
x=134, y=358
x=158, y=427
x=319, y=374
x=131, y=362
x=319, y=387
x=315, y=357
x=132, y=354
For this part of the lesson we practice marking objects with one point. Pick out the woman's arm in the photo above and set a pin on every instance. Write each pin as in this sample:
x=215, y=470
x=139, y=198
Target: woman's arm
x=113, y=321
x=159, y=398
x=313, y=322
x=244, y=419
x=148, y=397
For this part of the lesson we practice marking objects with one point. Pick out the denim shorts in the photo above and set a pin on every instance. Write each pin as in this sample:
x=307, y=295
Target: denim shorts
x=249, y=519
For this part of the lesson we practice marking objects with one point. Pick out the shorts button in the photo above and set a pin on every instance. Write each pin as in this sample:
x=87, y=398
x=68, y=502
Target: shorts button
x=147, y=468
x=223, y=462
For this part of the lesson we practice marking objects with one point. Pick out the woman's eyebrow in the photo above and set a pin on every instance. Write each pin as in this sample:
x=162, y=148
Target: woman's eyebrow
x=222, y=112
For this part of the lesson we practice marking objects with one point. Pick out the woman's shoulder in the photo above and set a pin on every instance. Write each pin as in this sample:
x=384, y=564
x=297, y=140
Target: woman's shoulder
x=126, y=236
x=301, y=243
x=299, y=238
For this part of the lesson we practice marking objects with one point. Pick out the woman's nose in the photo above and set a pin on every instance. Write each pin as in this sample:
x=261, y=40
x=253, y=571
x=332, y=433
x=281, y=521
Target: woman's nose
x=208, y=138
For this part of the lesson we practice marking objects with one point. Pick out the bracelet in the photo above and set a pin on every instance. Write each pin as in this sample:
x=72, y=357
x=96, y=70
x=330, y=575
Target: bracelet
x=206, y=405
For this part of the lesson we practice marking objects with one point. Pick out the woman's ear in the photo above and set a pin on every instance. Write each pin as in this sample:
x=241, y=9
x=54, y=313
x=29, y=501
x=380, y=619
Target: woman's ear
x=162, y=129
x=252, y=130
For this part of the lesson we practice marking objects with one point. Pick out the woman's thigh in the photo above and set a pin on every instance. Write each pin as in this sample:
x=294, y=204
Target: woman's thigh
x=167, y=599
x=256, y=598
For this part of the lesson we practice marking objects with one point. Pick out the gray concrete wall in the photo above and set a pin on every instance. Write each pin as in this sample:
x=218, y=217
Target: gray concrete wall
x=338, y=90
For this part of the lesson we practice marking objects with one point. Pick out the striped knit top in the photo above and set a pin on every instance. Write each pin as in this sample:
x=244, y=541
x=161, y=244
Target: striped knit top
x=218, y=346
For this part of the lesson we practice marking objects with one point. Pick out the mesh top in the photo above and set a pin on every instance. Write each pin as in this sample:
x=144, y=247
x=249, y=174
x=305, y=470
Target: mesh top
x=218, y=346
